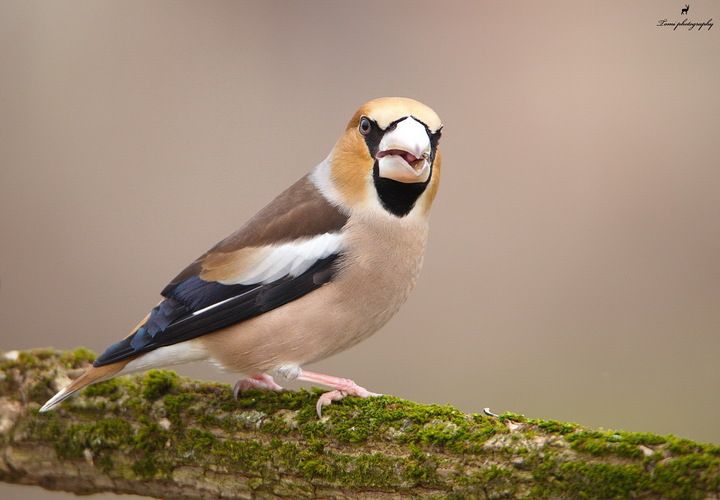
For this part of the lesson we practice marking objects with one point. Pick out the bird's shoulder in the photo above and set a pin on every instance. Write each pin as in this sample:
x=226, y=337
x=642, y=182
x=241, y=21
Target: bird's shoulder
x=301, y=213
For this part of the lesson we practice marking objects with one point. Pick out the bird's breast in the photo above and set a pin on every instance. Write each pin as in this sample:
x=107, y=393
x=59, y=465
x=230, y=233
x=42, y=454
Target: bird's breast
x=377, y=270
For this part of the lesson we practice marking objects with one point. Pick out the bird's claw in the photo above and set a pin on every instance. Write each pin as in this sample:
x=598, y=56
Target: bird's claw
x=341, y=387
x=327, y=398
x=264, y=382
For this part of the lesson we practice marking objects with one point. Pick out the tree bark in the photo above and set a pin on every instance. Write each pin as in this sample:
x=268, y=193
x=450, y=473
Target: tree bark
x=168, y=437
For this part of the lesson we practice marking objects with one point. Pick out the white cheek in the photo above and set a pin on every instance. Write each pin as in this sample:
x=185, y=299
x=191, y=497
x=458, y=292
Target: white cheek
x=320, y=176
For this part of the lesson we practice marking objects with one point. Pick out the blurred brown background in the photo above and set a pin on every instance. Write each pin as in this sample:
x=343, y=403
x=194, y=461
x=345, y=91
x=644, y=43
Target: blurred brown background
x=573, y=271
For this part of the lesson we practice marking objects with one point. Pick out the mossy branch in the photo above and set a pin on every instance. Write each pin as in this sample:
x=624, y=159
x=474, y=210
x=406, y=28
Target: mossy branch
x=165, y=436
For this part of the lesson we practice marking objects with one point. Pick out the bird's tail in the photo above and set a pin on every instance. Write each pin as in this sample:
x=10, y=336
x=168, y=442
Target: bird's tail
x=92, y=375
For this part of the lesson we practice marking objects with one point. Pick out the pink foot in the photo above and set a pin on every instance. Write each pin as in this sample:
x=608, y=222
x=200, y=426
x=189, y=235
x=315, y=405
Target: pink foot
x=262, y=381
x=342, y=388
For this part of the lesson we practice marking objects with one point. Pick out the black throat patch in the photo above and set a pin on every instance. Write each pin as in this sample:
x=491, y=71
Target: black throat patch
x=398, y=198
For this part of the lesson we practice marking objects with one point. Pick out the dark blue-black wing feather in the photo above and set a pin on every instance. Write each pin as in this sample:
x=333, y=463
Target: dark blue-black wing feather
x=186, y=312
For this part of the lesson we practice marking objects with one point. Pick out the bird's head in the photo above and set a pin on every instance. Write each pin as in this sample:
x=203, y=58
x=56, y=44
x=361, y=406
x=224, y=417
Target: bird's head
x=388, y=157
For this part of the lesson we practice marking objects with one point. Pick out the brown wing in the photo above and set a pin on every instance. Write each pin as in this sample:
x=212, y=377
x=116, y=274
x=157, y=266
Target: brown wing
x=301, y=211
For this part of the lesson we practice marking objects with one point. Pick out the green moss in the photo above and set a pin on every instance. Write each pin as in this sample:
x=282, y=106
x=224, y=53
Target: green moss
x=627, y=444
x=642, y=438
x=250, y=456
x=313, y=429
x=105, y=462
x=353, y=471
x=555, y=427
x=316, y=467
x=78, y=358
x=36, y=357
x=309, y=458
x=604, y=443
x=176, y=407
x=627, y=450
x=285, y=454
x=107, y=441
x=157, y=383
x=277, y=425
x=367, y=470
x=150, y=437
x=109, y=389
x=602, y=480
x=196, y=443
x=39, y=392
x=421, y=468
x=46, y=426
x=108, y=434
x=687, y=477
x=513, y=417
x=207, y=420
x=271, y=401
x=356, y=420
x=491, y=482
x=354, y=428
x=145, y=467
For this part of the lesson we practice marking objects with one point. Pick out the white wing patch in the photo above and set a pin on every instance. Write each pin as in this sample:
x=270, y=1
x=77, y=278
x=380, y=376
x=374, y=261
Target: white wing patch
x=289, y=259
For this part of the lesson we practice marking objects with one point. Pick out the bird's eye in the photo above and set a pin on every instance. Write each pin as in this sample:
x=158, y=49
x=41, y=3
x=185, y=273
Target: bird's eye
x=365, y=125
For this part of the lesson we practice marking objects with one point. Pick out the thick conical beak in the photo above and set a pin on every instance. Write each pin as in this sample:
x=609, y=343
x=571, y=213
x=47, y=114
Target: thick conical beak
x=404, y=153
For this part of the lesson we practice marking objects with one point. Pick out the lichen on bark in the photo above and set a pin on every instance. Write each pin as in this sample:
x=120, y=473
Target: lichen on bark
x=165, y=436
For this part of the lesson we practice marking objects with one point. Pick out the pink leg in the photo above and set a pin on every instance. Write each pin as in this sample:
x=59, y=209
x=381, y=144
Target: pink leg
x=262, y=381
x=342, y=387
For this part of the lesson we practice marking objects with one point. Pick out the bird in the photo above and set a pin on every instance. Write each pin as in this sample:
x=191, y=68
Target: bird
x=320, y=268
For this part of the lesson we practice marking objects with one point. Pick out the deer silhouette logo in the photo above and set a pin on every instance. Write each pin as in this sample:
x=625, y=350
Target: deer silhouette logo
x=685, y=10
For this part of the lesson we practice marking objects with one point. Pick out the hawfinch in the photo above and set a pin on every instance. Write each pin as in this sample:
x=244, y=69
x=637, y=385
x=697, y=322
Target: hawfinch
x=319, y=269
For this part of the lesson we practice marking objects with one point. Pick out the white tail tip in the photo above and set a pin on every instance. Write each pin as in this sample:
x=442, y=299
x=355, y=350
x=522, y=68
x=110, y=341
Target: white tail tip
x=56, y=399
